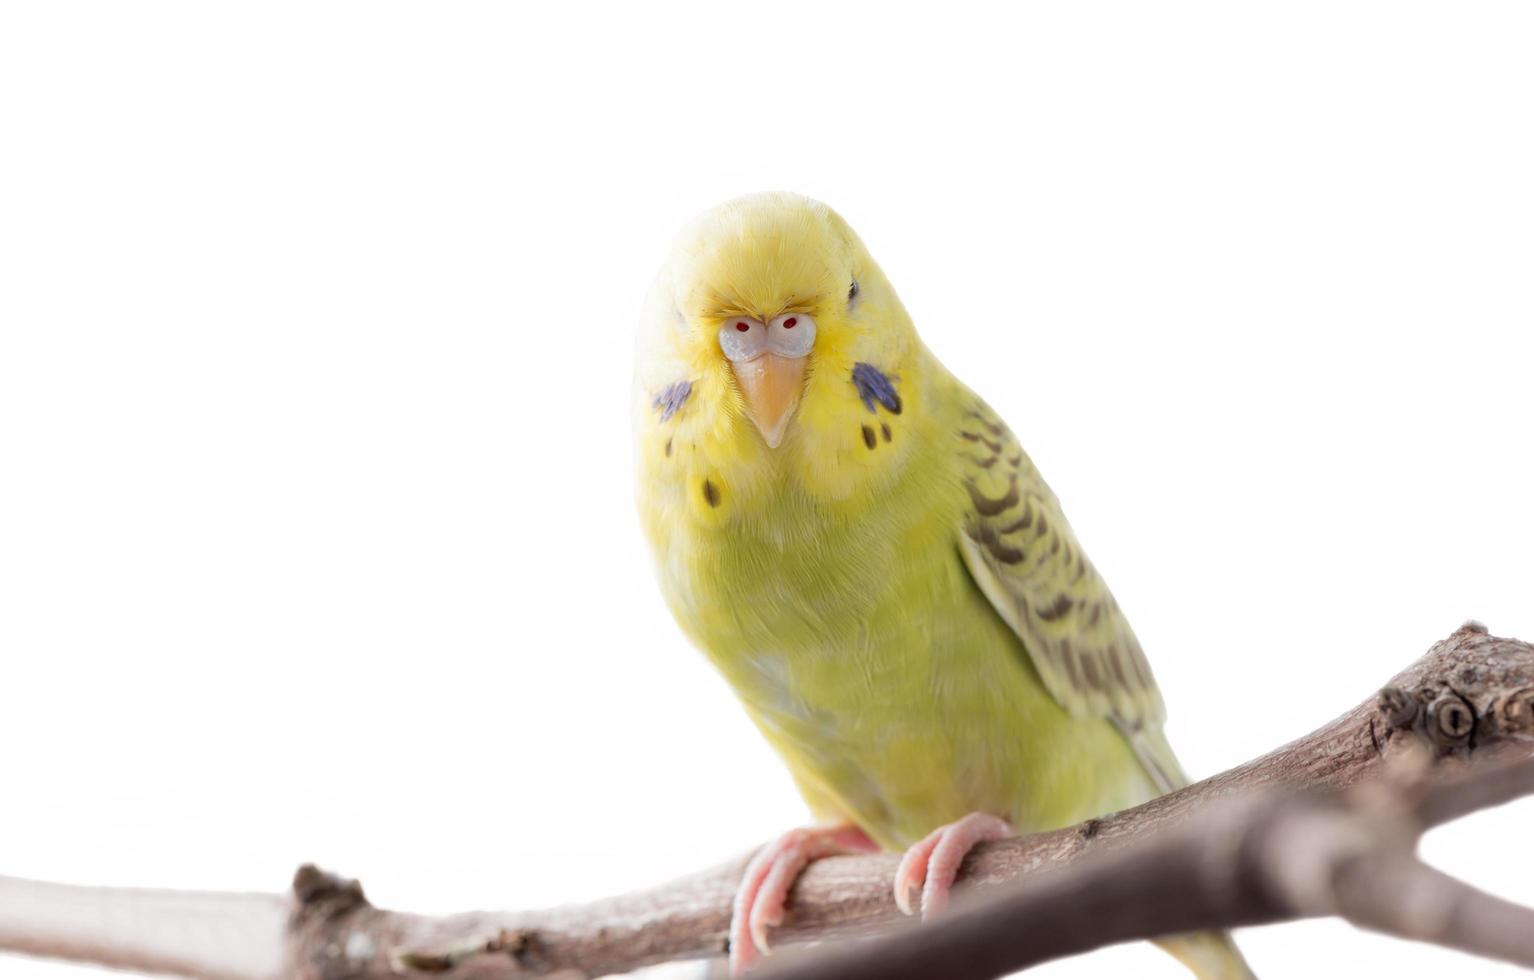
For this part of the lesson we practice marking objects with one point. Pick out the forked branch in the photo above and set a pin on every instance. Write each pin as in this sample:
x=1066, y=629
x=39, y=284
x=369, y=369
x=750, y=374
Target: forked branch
x=1268, y=857
x=1277, y=838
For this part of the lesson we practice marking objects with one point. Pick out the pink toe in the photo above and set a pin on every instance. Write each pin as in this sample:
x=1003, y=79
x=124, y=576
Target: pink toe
x=768, y=909
x=743, y=951
x=912, y=872
x=958, y=839
x=763, y=890
x=743, y=955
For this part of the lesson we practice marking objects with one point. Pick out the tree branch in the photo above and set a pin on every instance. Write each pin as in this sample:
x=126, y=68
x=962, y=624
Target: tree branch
x=1268, y=857
x=1234, y=841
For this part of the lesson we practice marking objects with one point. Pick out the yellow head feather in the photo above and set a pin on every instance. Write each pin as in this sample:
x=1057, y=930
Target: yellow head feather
x=759, y=257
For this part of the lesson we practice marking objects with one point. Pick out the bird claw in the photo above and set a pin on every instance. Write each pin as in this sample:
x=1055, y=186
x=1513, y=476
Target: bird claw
x=932, y=863
x=764, y=888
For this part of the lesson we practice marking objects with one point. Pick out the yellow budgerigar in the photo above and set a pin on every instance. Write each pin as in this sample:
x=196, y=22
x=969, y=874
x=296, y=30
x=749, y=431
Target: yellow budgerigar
x=862, y=548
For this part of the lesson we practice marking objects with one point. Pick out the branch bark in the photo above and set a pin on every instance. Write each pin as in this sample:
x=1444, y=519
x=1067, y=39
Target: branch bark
x=1470, y=697
x=1264, y=858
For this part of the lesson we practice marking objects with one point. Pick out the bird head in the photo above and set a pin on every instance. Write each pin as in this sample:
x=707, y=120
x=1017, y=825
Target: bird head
x=773, y=301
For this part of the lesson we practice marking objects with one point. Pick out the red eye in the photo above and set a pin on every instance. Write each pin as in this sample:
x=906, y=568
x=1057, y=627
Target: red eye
x=742, y=326
x=789, y=323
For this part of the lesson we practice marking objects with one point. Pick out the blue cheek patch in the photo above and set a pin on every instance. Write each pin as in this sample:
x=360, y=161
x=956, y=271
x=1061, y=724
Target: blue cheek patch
x=670, y=401
x=873, y=386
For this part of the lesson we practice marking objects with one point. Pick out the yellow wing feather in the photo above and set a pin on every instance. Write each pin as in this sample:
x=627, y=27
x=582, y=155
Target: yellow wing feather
x=1025, y=558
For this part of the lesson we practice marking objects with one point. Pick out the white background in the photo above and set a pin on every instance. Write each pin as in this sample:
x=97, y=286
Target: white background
x=316, y=527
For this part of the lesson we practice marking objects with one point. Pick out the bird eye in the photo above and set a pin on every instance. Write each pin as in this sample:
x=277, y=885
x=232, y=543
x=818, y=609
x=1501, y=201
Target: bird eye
x=852, y=291
x=791, y=334
x=742, y=338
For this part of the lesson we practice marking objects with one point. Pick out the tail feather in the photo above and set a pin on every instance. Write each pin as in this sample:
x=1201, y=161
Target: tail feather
x=1210, y=955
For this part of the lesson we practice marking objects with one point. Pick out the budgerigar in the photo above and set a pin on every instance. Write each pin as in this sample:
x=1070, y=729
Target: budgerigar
x=862, y=548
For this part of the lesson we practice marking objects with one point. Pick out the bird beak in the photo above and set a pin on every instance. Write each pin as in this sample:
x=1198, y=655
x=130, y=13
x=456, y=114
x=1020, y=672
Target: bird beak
x=771, y=384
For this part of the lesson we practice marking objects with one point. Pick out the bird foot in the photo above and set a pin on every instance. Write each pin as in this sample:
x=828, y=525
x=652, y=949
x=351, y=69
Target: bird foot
x=932, y=864
x=764, y=888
